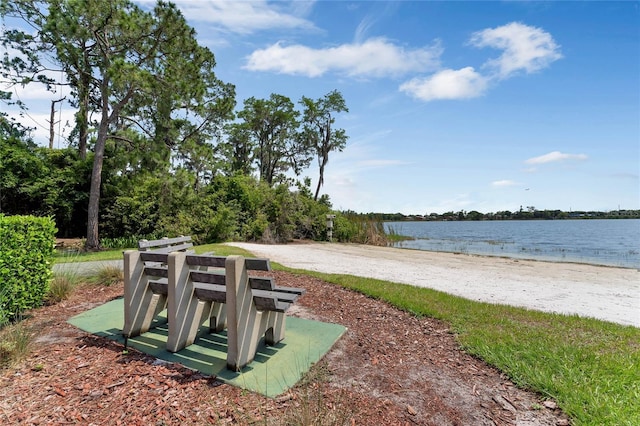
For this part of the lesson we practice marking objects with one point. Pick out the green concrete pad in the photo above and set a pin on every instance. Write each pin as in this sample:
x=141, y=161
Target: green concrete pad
x=274, y=369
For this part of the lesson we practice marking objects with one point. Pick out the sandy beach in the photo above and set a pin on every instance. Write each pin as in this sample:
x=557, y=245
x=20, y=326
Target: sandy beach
x=607, y=293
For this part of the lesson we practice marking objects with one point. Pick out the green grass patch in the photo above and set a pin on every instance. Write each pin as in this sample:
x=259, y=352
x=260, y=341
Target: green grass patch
x=116, y=254
x=69, y=257
x=221, y=250
x=590, y=367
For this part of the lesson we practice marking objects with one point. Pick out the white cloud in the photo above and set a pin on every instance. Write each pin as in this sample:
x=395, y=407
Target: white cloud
x=447, y=84
x=504, y=183
x=375, y=57
x=246, y=17
x=555, y=156
x=525, y=48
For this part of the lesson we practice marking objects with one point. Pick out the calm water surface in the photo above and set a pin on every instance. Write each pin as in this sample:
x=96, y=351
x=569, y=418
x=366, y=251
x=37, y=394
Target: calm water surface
x=595, y=241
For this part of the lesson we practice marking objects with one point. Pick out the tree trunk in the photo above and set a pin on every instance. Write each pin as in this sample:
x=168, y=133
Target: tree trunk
x=320, y=182
x=93, y=241
x=82, y=116
x=52, y=124
x=323, y=163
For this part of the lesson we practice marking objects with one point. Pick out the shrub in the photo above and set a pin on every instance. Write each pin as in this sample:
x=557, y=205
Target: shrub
x=27, y=246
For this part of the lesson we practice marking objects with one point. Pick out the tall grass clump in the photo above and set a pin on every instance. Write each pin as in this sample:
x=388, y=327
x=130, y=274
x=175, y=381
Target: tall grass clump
x=360, y=230
x=107, y=275
x=62, y=285
x=15, y=339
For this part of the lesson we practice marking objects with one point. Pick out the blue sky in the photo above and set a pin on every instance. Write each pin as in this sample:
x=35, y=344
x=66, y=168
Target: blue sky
x=453, y=106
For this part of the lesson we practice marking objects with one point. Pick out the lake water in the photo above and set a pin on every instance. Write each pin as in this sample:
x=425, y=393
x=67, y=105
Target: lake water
x=593, y=241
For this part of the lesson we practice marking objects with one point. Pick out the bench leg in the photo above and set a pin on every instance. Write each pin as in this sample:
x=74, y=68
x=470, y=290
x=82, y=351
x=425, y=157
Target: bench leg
x=184, y=311
x=141, y=305
x=218, y=320
x=245, y=324
x=275, y=324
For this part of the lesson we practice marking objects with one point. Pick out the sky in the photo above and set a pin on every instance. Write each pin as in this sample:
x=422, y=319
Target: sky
x=455, y=105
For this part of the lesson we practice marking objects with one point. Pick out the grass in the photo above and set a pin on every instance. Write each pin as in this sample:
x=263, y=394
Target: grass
x=111, y=254
x=106, y=276
x=62, y=285
x=394, y=237
x=15, y=339
x=116, y=254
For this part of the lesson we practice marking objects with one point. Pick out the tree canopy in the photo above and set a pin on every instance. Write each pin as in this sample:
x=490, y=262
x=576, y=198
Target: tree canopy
x=155, y=129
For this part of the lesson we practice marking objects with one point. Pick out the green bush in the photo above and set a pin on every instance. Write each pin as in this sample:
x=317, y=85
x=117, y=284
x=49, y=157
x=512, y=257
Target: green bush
x=27, y=246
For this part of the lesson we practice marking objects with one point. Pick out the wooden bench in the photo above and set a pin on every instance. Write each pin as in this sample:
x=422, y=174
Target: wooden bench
x=197, y=288
x=166, y=245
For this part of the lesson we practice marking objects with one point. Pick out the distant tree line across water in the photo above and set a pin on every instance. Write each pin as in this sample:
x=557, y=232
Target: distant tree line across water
x=530, y=213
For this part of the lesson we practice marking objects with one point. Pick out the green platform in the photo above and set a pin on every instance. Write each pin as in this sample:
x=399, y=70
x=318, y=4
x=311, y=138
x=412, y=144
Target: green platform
x=274, y=369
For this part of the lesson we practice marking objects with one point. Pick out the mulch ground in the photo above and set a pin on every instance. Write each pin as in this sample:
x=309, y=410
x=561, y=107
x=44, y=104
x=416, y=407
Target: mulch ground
x=389, y=368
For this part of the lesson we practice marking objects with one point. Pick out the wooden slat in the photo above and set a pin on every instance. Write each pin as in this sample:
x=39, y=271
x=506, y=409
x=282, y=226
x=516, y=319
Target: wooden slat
x=201, y=260
x=269, y=284
x=261, y=283
x=207, y=277
x=270, y=304
x=292, y=290
x=156, y=271
x=256, y=264
x=163, y=242
x=160, y=286
x=283, y=297
x=171, y=249
x=150, y=256
x=211, y=292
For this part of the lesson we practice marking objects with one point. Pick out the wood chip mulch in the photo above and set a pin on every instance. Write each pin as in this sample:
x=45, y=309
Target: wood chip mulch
x=389, y=368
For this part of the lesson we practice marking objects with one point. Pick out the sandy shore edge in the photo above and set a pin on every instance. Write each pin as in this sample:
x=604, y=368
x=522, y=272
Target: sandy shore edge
x=606, y=293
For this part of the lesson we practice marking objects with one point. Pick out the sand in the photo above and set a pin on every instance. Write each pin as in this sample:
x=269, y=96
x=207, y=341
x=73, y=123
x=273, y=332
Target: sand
x=606, y=293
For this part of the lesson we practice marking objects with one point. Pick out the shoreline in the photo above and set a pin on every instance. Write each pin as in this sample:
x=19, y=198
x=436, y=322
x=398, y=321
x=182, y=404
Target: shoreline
x=523, y=258
x=608, y=293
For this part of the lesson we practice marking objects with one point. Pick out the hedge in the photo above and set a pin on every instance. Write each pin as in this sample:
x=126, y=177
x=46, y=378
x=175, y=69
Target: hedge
x=27, y=245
